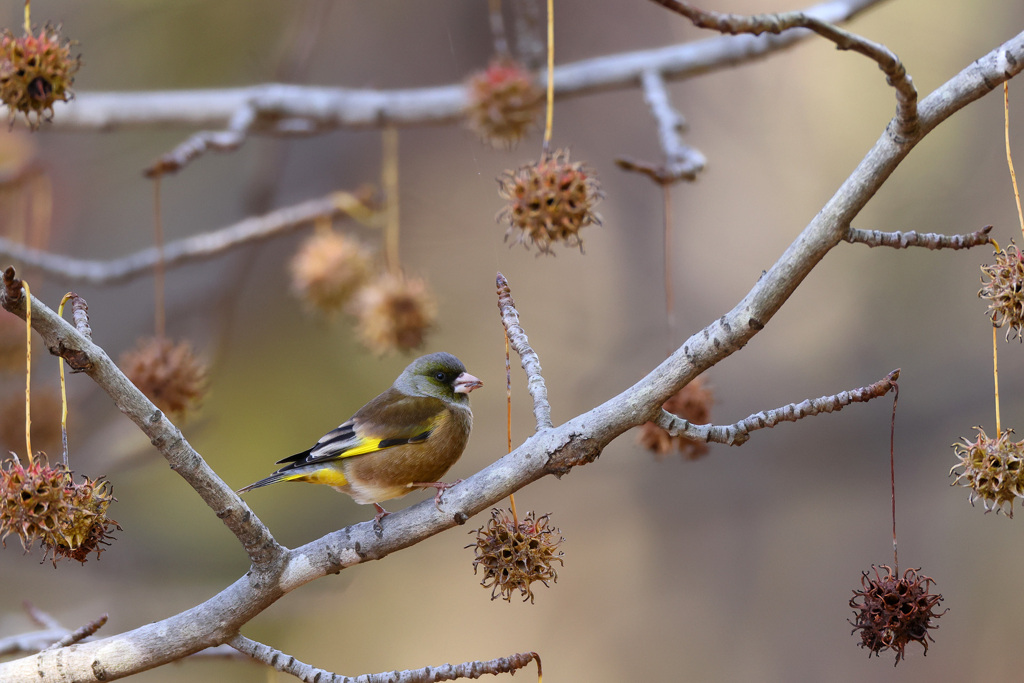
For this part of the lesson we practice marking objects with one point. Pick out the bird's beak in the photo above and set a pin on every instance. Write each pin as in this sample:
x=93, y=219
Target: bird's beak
x=466, y=383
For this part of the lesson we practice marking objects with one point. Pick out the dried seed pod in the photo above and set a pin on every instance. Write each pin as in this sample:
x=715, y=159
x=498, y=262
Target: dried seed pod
x=891, y=611
x=394, y=312
x=514, y=555
x=328, y=269
x=86, y=528
x=993, y=470
x=692, y=403
x=33, y=500
x=35, y=72
x=168, y=373
x=549, y=202
x=1004, y=290
x=505, y=102
x=43, y=503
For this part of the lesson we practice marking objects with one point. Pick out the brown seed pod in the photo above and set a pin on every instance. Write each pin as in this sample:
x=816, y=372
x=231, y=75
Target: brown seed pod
x=1004, y=290
x=692, y=402
x=549, y=202
x=168, y=373
x=328, y=269
x=891, y=611
x=993, y=470
x=35, y=72
x=394, y=313
x=515, y=555
x=505, y=102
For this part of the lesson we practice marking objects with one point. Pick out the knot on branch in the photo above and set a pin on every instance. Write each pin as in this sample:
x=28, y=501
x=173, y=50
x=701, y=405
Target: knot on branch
x=12, y=285
x=577, y=451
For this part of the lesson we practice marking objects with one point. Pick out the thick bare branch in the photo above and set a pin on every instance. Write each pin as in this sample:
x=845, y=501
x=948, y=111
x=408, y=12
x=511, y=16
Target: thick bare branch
x=888, y=62
x=738, y=434
x=63, y=340
x=446, y=672
x=928, y=240
x=281, y=108
x=190, y=249
x=527, y=356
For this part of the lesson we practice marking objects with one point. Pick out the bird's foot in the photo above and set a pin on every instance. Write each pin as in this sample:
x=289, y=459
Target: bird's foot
x=381, y=514
x=441, y=488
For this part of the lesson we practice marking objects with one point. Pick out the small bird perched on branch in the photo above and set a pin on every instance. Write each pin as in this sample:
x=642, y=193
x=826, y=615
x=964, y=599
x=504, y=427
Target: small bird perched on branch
x=407, y=438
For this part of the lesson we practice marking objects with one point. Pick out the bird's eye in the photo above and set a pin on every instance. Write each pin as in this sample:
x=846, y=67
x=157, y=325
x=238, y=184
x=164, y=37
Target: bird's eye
x=439, y=376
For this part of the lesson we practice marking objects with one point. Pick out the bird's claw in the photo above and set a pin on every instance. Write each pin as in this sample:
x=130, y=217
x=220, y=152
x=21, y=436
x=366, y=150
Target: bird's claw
x=441, y=488
x=381, y=514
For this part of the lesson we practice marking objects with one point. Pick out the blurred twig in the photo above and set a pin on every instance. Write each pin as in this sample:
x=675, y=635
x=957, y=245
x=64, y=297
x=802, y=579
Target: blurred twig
x=196, y=248
x=278, y=109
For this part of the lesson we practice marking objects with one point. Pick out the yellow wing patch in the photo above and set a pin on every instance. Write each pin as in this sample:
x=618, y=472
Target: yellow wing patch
x=331, y=476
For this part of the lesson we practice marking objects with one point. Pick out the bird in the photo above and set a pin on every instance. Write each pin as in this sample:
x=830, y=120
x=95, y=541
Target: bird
x=405, y=439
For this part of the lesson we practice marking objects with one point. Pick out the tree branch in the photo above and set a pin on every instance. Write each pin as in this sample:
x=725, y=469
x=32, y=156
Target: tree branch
x=199, y=247
x=81, y=354
x=928, y=240
x=682, y=162
x=304, y=110
x=888, y=62
x=738, y=433
x=528, y=357
x=446, y=672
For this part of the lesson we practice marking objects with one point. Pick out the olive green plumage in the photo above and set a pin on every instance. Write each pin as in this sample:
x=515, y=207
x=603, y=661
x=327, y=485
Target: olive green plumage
x=406, y=438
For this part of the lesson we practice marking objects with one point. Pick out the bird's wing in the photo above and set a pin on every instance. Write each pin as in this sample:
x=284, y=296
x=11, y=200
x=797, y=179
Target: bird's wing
x=391, y=419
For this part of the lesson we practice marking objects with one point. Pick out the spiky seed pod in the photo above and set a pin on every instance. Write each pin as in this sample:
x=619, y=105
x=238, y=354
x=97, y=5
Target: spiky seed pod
x=513, y=556
x=394, y=312
x=33, y=500
x=86, y=528
x=1004, y=290
x=549, y=202
x=505, y=101
x=328, y=269
x=35, y=72
x=692, y=402
x=891, y=611
x=993, y=470
x=168, y=373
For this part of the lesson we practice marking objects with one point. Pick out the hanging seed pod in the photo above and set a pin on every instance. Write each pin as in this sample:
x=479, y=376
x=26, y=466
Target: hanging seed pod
x=514, y=555
x=35, y=72
x=549, y=202
x=892, y=611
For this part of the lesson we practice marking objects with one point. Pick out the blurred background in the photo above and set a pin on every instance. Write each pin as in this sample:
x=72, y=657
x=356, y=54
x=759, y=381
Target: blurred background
x=738, y=566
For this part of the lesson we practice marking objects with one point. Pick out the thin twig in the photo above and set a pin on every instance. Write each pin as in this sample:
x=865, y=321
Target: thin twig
x=682, y=162
x=738, y=433
x=888, y=62
x=229, y=140
x=302, y=109
x=928, y=240
x=190, y=249
x=79, y=634
x=527, y=356
x=446, y=672
x=41, y=617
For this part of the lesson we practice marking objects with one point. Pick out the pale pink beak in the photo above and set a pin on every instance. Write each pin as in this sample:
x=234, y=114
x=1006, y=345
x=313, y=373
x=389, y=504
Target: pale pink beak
x=466, y=383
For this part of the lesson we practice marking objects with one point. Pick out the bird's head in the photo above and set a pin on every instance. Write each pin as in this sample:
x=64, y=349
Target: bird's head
x=438, y=375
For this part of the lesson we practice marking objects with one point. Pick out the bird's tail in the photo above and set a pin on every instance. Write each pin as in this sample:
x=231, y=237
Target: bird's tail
x=272, y=479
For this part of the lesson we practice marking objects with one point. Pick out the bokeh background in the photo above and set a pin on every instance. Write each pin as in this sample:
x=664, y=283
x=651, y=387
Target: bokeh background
x=736, y=567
